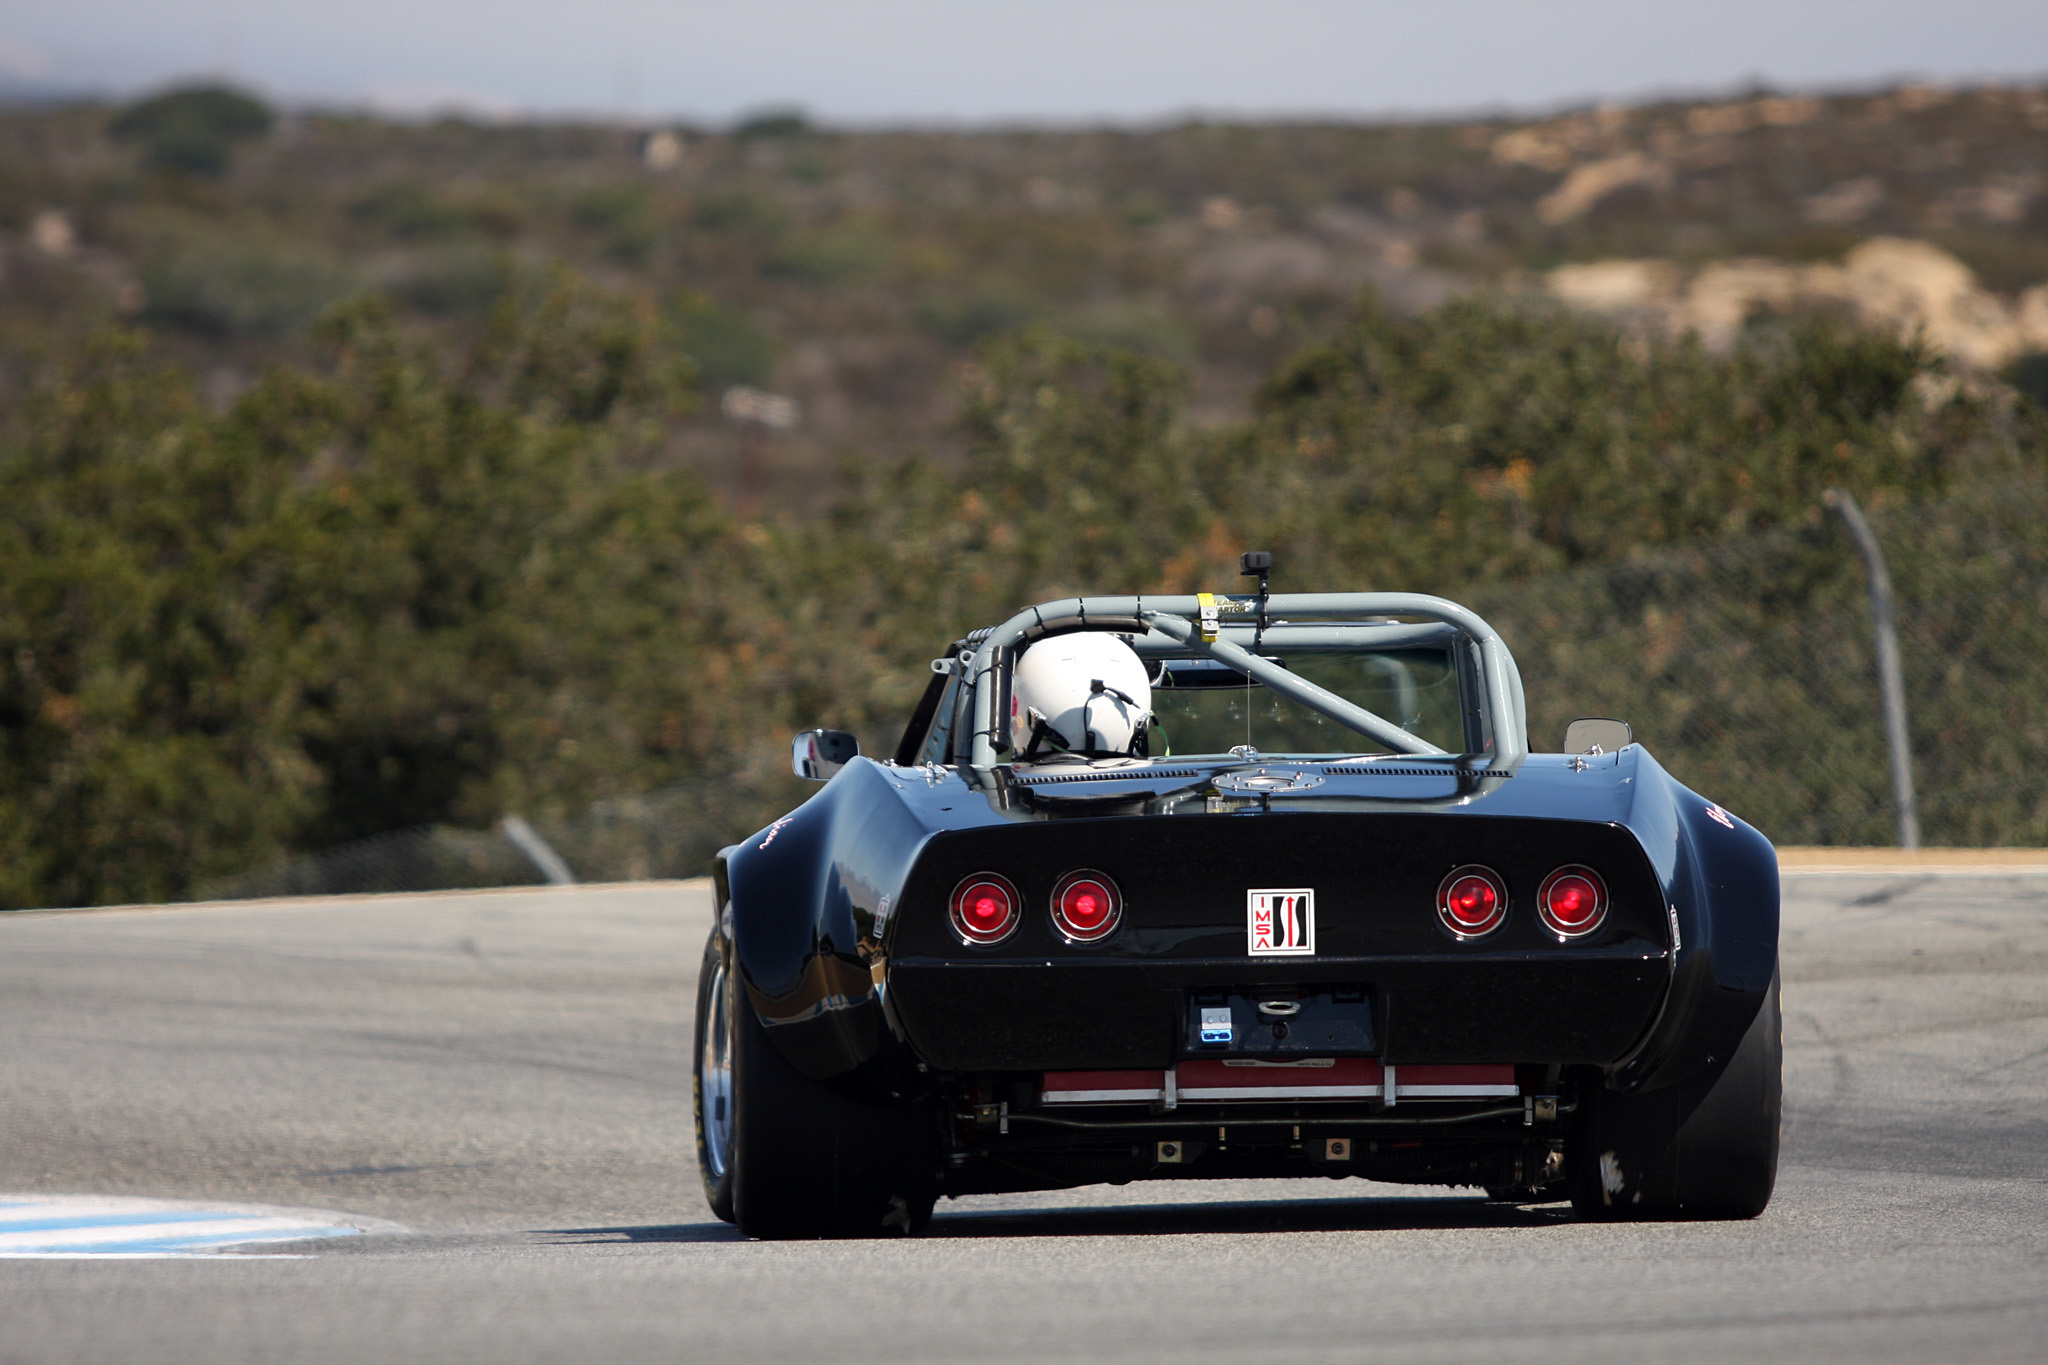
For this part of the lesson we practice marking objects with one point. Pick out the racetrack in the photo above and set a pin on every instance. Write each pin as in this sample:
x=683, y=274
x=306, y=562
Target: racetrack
x=506, y=1075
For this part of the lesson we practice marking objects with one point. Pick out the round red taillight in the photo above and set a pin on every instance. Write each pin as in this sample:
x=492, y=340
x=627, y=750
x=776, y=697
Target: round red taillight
x=1086, y=906
x=1472, y=901
x=1572, y=901
x=984, y=909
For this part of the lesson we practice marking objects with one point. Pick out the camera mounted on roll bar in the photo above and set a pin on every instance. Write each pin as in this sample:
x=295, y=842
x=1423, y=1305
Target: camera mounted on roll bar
x=1258, y=564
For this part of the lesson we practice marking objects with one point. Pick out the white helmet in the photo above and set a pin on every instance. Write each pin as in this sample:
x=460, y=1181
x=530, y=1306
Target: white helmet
x=1084, y=692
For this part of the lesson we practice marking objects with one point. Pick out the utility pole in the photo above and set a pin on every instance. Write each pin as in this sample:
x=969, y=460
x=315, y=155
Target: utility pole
x=1891, y=684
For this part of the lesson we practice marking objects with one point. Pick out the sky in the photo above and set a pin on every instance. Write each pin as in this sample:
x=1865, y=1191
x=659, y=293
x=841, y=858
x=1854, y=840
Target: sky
x=977, y=62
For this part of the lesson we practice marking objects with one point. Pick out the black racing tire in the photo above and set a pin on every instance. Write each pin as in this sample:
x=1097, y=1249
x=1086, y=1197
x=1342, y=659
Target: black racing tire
x=1705, y=1148
x=804, y=1161
x=711, y=1081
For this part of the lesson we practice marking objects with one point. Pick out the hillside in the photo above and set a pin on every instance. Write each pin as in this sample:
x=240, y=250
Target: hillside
x=855, y=271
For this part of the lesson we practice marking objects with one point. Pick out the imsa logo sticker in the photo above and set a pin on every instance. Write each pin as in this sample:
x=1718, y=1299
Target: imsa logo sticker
x=1280, y=923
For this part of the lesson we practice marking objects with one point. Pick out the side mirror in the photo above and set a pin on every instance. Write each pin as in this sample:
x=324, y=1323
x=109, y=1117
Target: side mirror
x=1596, y=735
x=817, y=754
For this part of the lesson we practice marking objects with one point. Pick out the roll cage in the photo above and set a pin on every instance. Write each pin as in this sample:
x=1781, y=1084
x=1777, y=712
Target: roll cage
x=959, y=719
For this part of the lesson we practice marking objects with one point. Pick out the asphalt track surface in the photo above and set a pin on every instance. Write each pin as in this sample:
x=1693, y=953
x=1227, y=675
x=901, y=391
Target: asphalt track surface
x=505, y=1076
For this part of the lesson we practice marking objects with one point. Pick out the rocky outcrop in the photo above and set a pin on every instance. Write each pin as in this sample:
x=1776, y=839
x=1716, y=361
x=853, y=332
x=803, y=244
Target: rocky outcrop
x=1893, y=283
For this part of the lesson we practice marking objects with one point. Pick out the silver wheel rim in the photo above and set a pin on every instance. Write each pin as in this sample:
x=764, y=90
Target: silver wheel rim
x=714, y=1078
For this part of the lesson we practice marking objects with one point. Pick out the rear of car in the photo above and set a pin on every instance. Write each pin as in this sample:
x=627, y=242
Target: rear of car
x=1314, y=979
x=1326, y=914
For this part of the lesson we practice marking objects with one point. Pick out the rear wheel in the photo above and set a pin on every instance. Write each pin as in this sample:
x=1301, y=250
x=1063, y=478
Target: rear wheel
x=712, y=1082
x=795, y=1158
x=1704, y=1148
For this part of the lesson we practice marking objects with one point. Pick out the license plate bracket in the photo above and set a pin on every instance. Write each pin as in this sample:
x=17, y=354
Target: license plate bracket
x=1321, y=1020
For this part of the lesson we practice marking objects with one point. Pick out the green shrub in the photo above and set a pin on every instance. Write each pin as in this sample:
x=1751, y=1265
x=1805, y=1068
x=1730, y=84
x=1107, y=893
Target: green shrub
x=838, y=256
x=194, y=129
x=740, y=213
x=406, y=588
x=397, y=590
x=624, y=215
x=409, y=212
x=727, y=345
x=773, y=123
x=1138, y=326
x=2029, y=376
x=452, y=281
x=1486, y=449
x=988, y=312
x=227, y=291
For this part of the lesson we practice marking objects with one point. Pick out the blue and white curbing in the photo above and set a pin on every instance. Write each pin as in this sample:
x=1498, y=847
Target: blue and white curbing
x=85, y=1225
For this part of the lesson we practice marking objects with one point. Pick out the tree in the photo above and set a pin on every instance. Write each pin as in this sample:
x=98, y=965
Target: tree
x=395, y=591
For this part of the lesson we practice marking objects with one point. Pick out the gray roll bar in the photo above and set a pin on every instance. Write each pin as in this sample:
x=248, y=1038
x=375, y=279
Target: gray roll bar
x=1292, y=685
x=1294, y=638
x=1176, y=617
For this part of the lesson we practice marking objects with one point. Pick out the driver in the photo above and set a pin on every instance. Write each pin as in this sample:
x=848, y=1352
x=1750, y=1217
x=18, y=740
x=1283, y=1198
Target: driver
x=1083, y=693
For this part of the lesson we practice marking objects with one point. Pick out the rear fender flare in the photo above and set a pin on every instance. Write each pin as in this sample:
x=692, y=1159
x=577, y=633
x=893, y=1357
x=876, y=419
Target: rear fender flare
x=1725, y=907
x=798, y=901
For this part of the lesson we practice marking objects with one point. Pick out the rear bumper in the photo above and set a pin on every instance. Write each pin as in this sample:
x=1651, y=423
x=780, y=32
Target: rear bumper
x=1213, y=1080
x=1586, y=1007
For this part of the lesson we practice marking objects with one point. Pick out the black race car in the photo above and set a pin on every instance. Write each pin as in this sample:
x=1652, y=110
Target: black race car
x=1323, y=913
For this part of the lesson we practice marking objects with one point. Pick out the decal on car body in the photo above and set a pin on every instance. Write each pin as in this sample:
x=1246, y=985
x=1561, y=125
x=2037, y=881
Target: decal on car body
x=1281, y=923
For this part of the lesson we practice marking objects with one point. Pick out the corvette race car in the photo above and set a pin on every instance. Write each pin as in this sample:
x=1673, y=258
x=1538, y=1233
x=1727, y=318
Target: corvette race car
x=1241, y=885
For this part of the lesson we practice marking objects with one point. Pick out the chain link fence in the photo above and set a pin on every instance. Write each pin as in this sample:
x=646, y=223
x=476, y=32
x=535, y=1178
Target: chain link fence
x=1748, y=668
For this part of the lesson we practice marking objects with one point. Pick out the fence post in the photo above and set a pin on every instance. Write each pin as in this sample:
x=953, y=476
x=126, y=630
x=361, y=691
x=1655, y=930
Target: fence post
x=545, y=860
x=1891, y=684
